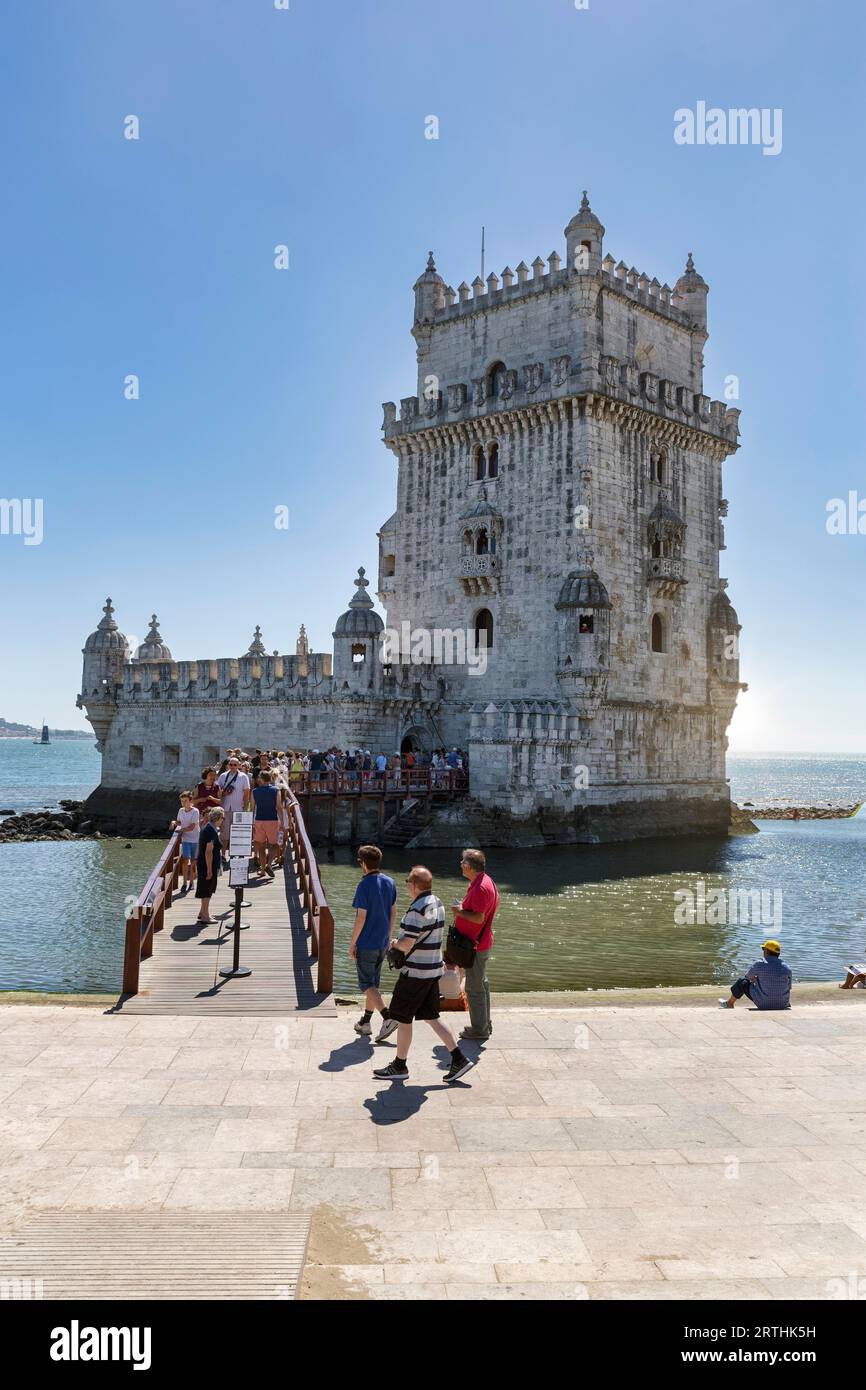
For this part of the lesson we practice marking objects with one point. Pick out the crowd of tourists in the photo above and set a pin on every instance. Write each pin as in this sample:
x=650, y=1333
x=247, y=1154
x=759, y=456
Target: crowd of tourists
x=435, y=970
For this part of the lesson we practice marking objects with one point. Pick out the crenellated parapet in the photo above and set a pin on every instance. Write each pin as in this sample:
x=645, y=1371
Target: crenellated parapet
x=248, y=677
x=535, y=385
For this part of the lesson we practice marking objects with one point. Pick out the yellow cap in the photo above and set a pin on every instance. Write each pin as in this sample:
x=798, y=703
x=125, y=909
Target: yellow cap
x=772, y=946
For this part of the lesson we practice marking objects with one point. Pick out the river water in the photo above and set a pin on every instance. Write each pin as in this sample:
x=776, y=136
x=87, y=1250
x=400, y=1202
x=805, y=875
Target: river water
x=581, y=917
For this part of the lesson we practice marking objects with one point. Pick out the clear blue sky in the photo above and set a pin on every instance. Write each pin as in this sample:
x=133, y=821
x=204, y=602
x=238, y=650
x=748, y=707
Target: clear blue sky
x=259, y=388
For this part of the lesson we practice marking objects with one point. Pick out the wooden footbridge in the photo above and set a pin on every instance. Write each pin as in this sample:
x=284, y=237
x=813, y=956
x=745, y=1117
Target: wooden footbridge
x=172, y=963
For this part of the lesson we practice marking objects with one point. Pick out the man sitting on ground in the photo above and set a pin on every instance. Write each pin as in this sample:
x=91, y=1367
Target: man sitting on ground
x=767, y=983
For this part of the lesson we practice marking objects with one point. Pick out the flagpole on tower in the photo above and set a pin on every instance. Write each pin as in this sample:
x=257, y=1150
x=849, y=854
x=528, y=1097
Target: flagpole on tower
x=482, y=253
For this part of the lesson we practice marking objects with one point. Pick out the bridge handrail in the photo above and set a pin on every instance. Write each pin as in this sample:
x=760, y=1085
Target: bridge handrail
x=319, y=915
x=148, y=912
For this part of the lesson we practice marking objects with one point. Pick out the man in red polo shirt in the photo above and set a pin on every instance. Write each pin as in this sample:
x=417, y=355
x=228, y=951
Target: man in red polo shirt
x=474, y=918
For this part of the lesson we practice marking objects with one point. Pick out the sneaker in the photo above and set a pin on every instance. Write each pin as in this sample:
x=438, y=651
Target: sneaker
x=225, y=862
x=723, y=1004
x=269, y=871
x=392, y=1072
x=363, y=1027
x=389, y=1026
x=460, y=1065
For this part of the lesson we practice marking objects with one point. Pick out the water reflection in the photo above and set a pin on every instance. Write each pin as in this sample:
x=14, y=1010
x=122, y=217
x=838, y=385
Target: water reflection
x=578, y=917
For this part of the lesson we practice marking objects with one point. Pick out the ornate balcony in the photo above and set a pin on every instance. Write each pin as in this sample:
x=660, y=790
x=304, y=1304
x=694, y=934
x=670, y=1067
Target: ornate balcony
x=666, y=574
x=479, y=574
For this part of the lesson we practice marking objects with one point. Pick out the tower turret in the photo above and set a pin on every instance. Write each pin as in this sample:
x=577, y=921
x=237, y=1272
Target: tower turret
x=690, y=295
x=429, y=292
x=584, y=237
x=153, y=648
x=357, y=658
x=105, y=653
x=583, y=632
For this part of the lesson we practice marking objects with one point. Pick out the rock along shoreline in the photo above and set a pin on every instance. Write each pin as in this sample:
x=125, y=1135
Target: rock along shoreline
x=72, y=821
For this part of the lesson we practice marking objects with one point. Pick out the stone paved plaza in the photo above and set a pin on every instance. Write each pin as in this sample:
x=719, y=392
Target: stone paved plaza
x=646, y=1152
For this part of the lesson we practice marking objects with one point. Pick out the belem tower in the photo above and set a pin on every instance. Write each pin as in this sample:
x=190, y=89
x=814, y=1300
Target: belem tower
x=559, y=504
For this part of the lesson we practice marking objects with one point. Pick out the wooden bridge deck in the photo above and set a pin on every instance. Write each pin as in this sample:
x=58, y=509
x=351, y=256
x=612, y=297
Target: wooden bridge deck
x=182, y=975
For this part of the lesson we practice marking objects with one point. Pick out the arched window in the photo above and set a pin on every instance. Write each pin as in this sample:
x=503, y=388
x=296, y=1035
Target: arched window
x=657, y=633
x=468, y=540
x=389, y=566
x=493, y=461
x=659, y=466
x=478, y=463
x=359, y=653
x=657, y=548
x=484, y=629
x=494, y=379
x=481, y=545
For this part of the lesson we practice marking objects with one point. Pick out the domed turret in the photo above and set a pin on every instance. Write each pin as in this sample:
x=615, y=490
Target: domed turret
x=583, y=628
x=583, y=589
x=723, y=636
x=584, y=237
x=360, y=618
x=357, y=664
x=690, y=294
x=105, y=653
x=429, y=292
x=153, y=648
x=108, y=636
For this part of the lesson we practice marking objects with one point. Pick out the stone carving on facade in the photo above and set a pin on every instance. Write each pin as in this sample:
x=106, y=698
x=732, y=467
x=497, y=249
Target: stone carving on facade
x=559, y=369
x=508, y=384
x=456, y=397
x=533, y=375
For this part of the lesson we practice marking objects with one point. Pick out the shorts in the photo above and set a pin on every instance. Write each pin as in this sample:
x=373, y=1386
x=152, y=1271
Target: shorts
x=369, y=965
x=414, y=998
x=265, y=832
x=190, y=849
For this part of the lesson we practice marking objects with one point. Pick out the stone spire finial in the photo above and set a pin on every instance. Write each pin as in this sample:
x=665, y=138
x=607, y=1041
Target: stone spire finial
x=153, y=648
x=360, y=599
x=107, y=623
x=584, y=204
x=431, y=264
x=690, y=265
x=257, y=646
x=302, y=646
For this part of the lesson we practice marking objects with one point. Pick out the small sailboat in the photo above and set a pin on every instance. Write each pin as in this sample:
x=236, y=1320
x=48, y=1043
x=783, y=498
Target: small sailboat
x=41, y=742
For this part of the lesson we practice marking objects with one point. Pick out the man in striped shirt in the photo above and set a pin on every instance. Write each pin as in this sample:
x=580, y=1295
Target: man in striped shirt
x=416, y=994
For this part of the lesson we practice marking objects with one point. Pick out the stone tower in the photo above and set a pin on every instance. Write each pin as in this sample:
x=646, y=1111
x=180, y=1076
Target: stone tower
x=559, y=490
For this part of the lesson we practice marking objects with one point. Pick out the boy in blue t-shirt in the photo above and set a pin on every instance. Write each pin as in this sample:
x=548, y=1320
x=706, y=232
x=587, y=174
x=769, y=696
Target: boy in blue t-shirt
x=375, y=904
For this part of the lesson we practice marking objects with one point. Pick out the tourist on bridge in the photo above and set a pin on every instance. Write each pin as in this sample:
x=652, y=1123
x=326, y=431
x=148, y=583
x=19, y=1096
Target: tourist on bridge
x=234, y=786
x=474, y=920
x=416, y=994
x=268, y=805
x=207, y=794
x=375, y=904
x=208, y=864
x=189, y=822
x=767, y=983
